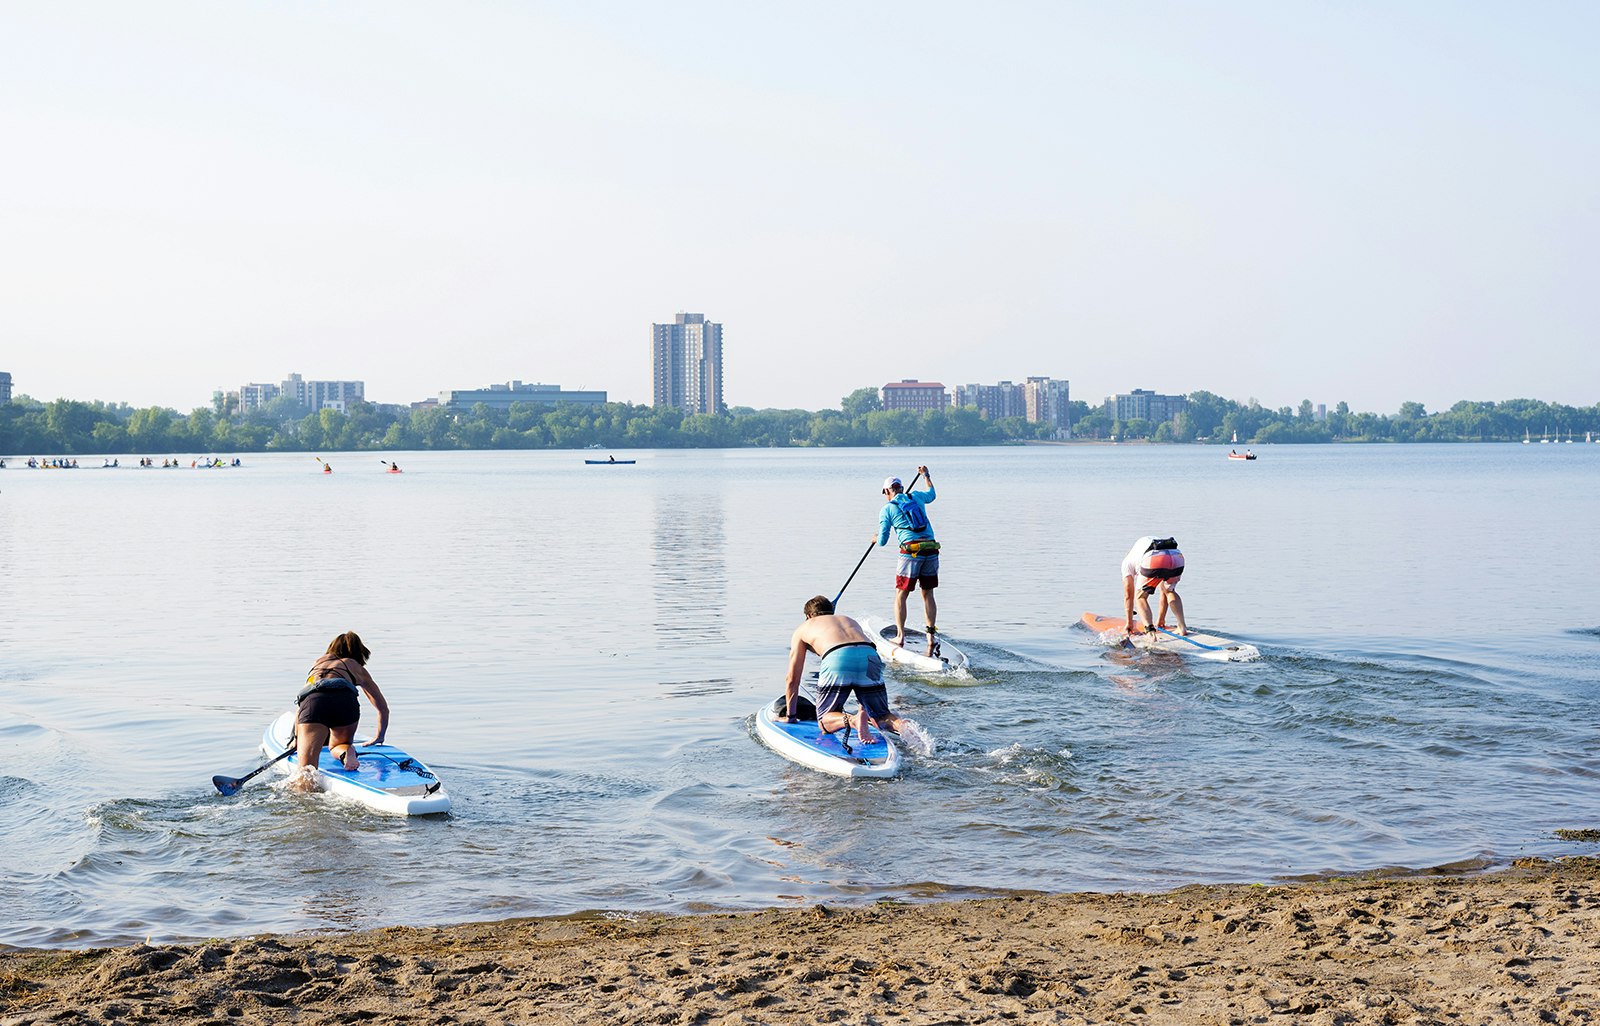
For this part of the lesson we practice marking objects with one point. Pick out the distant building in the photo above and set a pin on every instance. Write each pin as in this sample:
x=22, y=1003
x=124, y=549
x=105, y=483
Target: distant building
x=1038, y=399
x=501, y=397
x=993, y=401
x=1048, y=401
x=687, y=363
x=308, y=395
x=5, y=386
x=1143, y=404
x=911, y=394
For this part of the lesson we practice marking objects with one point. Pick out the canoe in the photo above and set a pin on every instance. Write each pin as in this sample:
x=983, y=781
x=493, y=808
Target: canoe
x=947, y=658
x=388, y=780
x=804, y=743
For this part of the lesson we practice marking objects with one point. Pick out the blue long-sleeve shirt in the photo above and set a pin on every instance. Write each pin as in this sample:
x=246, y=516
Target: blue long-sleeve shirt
x=893, y=517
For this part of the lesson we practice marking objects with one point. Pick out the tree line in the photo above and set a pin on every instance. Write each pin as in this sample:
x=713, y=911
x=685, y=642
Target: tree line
x=68, y=427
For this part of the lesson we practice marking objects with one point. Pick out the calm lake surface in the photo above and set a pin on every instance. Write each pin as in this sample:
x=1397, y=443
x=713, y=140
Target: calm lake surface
x=579, y=650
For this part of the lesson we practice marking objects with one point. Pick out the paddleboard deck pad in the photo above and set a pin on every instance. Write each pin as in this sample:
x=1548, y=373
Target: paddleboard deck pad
x=387, y=780
x=947, y=658
x=803, y=742
x=1198, y=646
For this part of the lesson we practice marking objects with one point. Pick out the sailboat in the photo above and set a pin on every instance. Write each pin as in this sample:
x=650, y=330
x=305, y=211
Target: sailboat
x=1526, y=440
x=1546, y=439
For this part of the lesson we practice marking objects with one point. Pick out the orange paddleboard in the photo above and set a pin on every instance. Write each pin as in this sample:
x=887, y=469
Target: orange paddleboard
x=1201, y=646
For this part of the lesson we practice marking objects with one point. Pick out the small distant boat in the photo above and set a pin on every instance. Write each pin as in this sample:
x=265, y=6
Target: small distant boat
x=1241, y=455
x=603, y=463
x=1526, y=438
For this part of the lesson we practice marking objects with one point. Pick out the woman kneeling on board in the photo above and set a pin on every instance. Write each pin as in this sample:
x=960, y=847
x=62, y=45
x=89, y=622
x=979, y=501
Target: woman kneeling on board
x=329, y=709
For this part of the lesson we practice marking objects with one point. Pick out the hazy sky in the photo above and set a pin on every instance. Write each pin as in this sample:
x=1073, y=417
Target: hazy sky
x=1367, y=201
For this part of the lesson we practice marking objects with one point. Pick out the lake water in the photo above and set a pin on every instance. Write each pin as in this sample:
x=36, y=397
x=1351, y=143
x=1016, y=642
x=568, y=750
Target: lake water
x=579, y=650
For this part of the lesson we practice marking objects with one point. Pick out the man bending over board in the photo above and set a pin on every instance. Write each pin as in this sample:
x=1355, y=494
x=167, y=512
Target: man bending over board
x=850, y=662
x=1153, y=564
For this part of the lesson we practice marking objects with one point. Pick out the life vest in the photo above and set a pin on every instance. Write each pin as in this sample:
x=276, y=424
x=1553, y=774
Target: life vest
x=911, y=509
x=1162, y=561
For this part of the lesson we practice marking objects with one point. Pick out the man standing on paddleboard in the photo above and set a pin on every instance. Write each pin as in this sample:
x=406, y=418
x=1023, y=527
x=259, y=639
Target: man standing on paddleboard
x=919, y=552
x=1153, y=564
x=850, y=662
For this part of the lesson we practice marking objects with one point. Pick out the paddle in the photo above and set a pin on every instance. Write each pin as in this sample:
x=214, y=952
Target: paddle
x=870, y=546
x=230, y=785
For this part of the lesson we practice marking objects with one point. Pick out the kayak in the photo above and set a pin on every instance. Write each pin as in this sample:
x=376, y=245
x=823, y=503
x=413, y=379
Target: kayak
x=604, y=463
x=947, y=658
x=1200, y=646
x=804, y=743
x=387, y=779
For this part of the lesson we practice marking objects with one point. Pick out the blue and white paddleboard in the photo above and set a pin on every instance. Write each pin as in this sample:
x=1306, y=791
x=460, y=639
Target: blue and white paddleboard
x=387, y=779
x=805, y=743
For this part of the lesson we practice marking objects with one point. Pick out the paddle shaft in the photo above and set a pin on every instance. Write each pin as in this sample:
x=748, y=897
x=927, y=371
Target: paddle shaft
x=870, y=546
x=230, y=785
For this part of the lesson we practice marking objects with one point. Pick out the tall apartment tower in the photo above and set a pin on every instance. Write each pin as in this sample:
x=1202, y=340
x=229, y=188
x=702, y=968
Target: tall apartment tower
x=5, y=386
x=688, y=364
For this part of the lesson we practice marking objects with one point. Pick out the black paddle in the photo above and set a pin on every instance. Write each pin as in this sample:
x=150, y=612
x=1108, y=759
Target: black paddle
x=229, y=786
x=870, y=546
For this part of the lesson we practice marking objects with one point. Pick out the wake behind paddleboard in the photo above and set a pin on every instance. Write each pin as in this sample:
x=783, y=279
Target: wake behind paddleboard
x=804, y=743
x=387, y=779
x=947, y=658
x=1199, y=646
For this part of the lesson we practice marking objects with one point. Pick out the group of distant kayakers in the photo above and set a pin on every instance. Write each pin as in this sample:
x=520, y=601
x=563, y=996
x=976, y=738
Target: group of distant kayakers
x=68, y=463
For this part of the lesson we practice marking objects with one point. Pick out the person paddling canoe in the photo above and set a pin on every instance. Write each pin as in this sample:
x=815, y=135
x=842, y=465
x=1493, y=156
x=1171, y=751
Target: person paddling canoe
x=329, y=710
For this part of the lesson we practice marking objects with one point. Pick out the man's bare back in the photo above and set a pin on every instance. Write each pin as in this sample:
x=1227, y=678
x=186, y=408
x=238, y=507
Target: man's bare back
x=820, y=633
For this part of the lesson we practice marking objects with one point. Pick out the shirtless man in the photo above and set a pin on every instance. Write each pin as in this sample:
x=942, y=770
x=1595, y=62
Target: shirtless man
x=850, y=662
x=1153, y=564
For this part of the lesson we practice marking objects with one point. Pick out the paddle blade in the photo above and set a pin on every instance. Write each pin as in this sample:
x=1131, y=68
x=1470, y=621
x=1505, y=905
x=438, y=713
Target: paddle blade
x=229, y=786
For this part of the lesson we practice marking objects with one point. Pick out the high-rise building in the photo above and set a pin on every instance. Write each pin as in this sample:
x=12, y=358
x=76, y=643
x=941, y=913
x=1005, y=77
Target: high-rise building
x=1048, y=401
x=1143, y=404
x=688, y=364
x=911, y=394
x=310, y=395
x=992, y=401
x=5, y=386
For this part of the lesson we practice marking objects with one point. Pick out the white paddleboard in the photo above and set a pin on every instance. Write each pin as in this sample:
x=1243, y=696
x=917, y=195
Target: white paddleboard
x=804, y=743
x=914, y=653
x=387, y=779
x=1197, y=646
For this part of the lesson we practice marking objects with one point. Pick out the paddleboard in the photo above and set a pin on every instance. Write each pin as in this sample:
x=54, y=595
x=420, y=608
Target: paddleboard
x=387, y=779
x=914, y=653
x=804, y=743
x=609, y=463
x=1199, y=646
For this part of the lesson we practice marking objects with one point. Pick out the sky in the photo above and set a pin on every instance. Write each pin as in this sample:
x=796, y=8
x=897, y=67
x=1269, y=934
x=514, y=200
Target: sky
x=1374, y=202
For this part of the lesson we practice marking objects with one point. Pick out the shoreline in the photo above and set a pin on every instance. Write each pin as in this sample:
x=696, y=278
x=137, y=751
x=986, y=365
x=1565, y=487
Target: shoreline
x=1514, y=945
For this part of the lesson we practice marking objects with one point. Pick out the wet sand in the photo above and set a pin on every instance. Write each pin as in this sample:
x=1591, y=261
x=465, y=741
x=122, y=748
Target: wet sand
x=1519, y=946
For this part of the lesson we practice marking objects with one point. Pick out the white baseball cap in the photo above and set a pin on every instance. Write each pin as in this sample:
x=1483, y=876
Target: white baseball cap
x=890, y=482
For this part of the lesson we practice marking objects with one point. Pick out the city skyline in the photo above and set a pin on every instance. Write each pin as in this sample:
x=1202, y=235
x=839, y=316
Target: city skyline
x=1392, y=203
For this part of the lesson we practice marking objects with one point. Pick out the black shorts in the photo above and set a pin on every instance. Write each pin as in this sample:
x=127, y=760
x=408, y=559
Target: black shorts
x=330, y=707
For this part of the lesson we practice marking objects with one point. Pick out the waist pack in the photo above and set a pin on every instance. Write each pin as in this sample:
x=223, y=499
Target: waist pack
x=926, y=547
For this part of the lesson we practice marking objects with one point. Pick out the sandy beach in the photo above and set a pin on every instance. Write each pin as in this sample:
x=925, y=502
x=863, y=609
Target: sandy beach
x=1517, y=946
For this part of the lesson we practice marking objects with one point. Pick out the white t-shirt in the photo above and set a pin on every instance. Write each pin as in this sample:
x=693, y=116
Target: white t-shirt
x=1133, y=562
